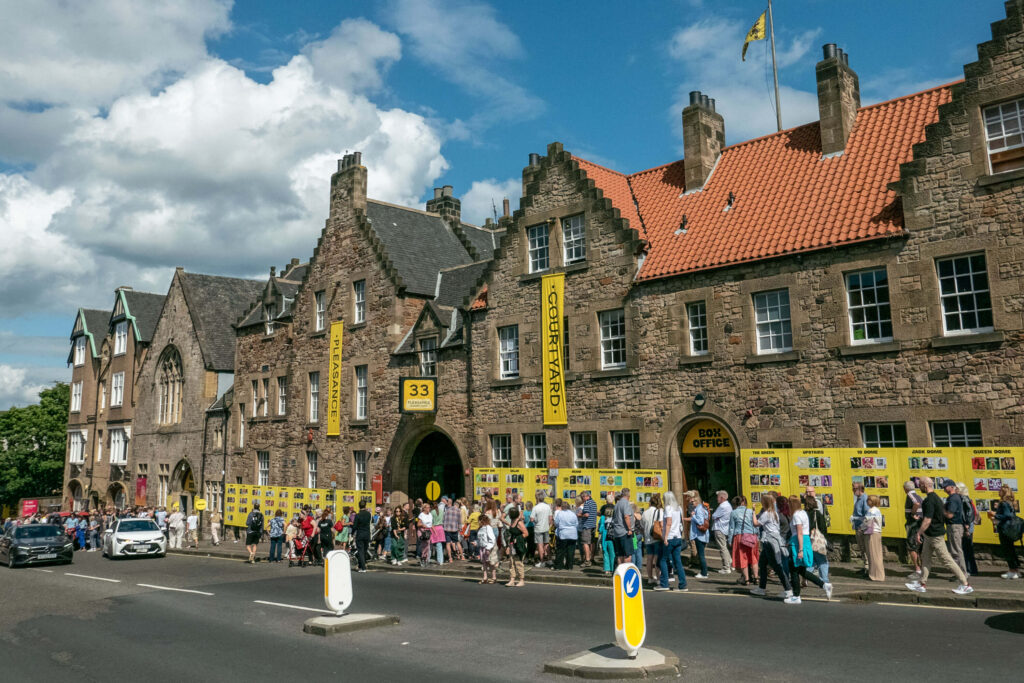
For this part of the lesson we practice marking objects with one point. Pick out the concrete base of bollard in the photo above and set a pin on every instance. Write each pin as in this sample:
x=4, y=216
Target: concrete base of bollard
x=611, y=662
x=331, y=625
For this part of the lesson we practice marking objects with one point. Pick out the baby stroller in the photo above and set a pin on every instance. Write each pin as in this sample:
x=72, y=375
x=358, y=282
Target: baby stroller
x=300, y=550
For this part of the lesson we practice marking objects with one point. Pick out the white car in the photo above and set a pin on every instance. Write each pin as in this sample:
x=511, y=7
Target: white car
x=134, y=538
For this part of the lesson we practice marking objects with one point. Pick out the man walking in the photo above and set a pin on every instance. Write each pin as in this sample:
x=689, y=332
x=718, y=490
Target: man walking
x=361, y=529
x=622, y=528
x=860, y=511
x=912, y=515
x=176, y=528
x=931, y=534
x=720, y=527
x=215, y=520
x=452, y=522
x=955, y=523
x=588, y=522
x=192, y=523
x=541, y=518
x=253, y=531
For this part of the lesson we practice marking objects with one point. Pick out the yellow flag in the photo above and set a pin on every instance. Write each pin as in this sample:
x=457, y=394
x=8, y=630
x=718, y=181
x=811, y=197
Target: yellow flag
x=552, y=292
x=756, y=32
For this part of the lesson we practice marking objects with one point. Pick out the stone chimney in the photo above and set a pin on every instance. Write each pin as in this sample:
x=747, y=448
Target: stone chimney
x=838, y=98
x=445, y=204
x=703, y=139
x=530, y=170
x=348, y=185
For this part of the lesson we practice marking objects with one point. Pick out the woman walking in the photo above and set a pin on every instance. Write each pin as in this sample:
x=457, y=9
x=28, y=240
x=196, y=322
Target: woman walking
x=604, y=525
x=801, y=556
x=773, y=552
x=743, y=540
x=424, y=529
x=488, y=544
x=566, y=533
x=654, y=535
x=971, y=517
x=517, y=549
x=276, y=536
x=700, y=523
x=819, y=537
x=399, y=522
x=872, y=529
x=1002, y=517
x=671, y=544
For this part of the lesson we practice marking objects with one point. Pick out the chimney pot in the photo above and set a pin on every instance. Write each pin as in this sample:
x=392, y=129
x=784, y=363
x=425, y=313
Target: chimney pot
x=705, y=101
x=437, y=193
x=838, y=98
x=357, y=158
x=703, y=139
x=829, y=50
x=446, y=191
x=846, y=59
x=504, y=207
x=712, y=101
x=695, y=97
x=534, y=159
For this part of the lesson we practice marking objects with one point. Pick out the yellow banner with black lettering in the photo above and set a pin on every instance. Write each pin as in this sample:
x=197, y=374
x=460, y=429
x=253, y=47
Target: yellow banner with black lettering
x=552, y=337
x=334, y=380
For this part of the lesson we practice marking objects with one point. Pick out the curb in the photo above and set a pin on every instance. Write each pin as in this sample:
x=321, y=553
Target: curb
x=331, y=625
x=565, y=667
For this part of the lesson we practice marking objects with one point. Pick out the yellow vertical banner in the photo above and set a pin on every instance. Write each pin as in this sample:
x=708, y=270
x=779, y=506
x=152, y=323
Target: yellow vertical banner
x=552, y=290
x=334, y=380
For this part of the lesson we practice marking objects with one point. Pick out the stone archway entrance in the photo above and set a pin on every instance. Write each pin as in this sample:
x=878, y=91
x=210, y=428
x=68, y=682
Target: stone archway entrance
x=76, y=496
x=183, y=486
x=116, y=496
x=435, y=458
x=710, y=459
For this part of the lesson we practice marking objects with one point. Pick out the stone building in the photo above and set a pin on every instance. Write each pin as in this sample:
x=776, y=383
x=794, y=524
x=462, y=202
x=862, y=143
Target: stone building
x=107, y=350
x=853, y=281
x=181, y=383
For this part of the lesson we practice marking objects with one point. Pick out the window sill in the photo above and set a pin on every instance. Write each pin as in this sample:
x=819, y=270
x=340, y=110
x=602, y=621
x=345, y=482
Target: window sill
x=759, y=359
x=511, y=382
x=359, y=423
x=702, y=359
x=319, y=334
x=966, y=339
x=614, y=372
x=868, y=349
x=356, y=326
x=577, y=267
x=1000, y=178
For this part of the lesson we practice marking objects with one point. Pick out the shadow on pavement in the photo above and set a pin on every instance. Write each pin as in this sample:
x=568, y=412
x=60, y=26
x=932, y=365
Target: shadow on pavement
x=1013, y=622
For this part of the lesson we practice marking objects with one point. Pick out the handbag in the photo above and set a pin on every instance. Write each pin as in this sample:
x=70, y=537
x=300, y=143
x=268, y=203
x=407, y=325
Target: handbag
x=657, y=529
x=819, y=543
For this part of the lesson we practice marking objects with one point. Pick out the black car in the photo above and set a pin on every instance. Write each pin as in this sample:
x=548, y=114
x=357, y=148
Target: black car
x=35, y=543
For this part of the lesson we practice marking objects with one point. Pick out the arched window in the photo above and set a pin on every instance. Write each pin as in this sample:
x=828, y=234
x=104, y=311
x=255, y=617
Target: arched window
x=170, y=383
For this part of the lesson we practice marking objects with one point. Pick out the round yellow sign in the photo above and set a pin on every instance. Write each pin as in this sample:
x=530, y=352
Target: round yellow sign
x=433, y=490
x=200, y=504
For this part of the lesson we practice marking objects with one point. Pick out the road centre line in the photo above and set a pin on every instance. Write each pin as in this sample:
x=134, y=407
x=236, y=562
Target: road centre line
x=167, y=588
x=958, y=609
x=281, y=604
x=94, y=578
x=48, y=571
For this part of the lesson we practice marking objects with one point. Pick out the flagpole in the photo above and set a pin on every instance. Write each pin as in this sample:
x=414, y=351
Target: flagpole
x=775, y=70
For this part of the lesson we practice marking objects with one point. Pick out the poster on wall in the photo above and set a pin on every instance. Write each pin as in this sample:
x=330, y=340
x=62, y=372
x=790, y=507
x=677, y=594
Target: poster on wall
x=764, y=470
x=513, y=481
x=820, y=468
x=987, y=471
x=485, y=482
x=929, y=462
x=878, y=470
x=645, y=483
x=572, y=483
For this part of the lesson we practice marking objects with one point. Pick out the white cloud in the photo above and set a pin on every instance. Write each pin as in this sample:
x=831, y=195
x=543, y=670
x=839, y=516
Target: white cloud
x=741, y=89
x=17, y=387
x=213, y=171
x=484, y=196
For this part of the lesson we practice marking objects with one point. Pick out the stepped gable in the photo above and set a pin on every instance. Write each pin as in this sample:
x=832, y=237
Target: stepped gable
x=616, y=187
x=214, y=303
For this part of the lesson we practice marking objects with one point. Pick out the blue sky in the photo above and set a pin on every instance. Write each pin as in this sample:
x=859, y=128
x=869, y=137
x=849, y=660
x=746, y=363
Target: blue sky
x=137, y=137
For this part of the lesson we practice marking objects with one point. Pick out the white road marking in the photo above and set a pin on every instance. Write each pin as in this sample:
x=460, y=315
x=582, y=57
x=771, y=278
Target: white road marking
x=48, y=571
x=281, y=604
x=94, y=578
x=960, y=609
x=166, y=588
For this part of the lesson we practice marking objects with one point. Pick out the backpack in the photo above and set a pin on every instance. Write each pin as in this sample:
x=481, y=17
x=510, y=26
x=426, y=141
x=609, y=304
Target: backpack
x=256, y=522
x=970, y=513
x=1013, y=529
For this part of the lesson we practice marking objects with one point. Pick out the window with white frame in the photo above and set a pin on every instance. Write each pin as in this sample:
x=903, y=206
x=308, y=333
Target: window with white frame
x=117, y=389
x=361, y=407
x=76, y=448
x=314, y=397
x=282, y=395
x=320, y=299
x=103, y=396
x=163, y=484
x=501, y=450
x=255, y=398
x=76, y=397
x=966, y=300
x=218, y=436
x=263, y=468
x=428, y=357
x=359, y=301
x=1004, y=132
x=79, y=351
x=213, y=495
x=626, y=446
x=771, y=312
x=360, y=468
x=508, y=351
x=884, y=434
x=536, y=448
x=867, y=298
x=241, y=425
x=121, y=338
x=584, y=449
x=269, y=314
x=965, y=433
x=697, y=323
x=311, y=465
x=574, y=239
x=266, y=396
x=170, y=380
x=538, y=237
x=99, y=445
x=613, y=339
x=118, y=447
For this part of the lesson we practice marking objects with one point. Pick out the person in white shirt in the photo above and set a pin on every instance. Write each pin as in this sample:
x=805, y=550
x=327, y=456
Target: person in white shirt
x=487, y=542
x=192, y=523
x=671, y=545
x=720, y=527
x=541, y=518
x=424, y=523
x=176, y=525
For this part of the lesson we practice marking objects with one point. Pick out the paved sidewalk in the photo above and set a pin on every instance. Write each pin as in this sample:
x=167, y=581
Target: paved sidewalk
x=990, y=591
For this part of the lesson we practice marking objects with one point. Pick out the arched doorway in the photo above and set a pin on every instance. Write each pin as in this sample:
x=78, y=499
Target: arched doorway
x=76, y=495
x=116, y=496
x=707, y=450
x=436, y=459
x=183, y=486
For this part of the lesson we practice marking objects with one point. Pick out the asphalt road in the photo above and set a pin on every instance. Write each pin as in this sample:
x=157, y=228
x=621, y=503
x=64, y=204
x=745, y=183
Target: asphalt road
x=56, y=624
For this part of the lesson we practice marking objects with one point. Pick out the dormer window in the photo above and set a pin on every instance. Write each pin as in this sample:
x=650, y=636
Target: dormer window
x=121, y=338
x=269, y=313
x=428, y=357
x=79, y=351
x=1004, y=132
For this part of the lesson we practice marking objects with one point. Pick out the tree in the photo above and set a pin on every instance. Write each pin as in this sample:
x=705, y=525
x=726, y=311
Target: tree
x=32, y=443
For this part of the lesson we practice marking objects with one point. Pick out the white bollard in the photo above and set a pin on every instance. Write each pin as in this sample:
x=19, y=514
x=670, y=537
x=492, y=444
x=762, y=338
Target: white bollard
x=337, y=581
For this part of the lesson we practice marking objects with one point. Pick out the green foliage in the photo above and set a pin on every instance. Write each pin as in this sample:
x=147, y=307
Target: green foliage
x=32, y=464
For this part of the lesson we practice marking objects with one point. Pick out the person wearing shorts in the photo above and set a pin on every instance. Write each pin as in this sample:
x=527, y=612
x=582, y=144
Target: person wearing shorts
x=541, y=517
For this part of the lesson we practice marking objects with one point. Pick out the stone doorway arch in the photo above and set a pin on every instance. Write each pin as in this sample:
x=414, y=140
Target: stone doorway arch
x=117, y=496
x=709, y=455
x=421, y=447
x=183, y=486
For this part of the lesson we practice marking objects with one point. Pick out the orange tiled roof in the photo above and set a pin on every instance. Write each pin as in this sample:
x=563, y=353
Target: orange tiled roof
x=787, y=198
x=480, y=302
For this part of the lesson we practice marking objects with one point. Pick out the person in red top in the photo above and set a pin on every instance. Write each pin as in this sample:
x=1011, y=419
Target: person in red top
x=308, y=529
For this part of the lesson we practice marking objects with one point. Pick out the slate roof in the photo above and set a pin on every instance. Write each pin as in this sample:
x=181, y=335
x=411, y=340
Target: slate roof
x=145, y=308
x=787, y=198
x=223, y=401
x=215, y=303
x=417, y=243
x=97, y=323
x=456, y=284
x=484, y=241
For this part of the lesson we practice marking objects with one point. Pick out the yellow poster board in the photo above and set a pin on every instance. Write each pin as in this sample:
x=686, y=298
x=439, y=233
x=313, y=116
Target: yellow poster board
x=878, y=469
x=552, y=292
x=764, y=470
x=821, y=468
x=238, y=500
x=485, y=482
x=985, y=471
